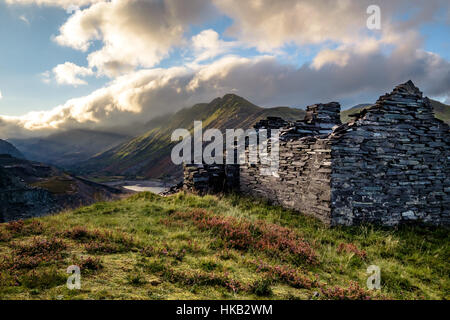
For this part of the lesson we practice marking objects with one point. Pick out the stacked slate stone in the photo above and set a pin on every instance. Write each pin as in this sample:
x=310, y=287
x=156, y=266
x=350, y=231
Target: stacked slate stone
x=215, y=178
x=390, y=164
x=271, y=123
x=323, y=113
x=303, y=180
x=203, y=178
x=320, y=119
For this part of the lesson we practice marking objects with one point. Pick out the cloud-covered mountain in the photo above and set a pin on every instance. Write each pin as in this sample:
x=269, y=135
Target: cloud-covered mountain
x=68, y=147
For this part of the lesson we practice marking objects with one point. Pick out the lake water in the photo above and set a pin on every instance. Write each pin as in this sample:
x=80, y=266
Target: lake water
x=139, y=188
x=155, y=186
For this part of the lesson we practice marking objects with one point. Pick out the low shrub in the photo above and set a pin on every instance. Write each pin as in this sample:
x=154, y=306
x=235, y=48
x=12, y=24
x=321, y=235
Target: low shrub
x=243, y=234
x=210, y=265
x=90, y=264
x=40, y=246
x=287, y=275
x=351, y=248
x=5, y=236
x=103, y=247
x=22, y=228
x=29, y=255
x=262, y=288
x=136, y=279
x=352, y=292
x=195, y=278
x=42, y=279
x=176, y=254
x=101, y=241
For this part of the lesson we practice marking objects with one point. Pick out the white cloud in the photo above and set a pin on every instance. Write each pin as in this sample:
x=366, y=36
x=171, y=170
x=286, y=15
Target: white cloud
x=134, y=34
x=352, y=66
x=24, y=19
x=1, y=96
x=69, y=73
x=337, y=57
x=46, y=77
x=56, y=3
x=143, y=95
x=207, y=45
x=270, y=25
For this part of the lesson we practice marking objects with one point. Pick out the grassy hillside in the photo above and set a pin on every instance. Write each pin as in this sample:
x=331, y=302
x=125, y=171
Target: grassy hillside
x=148, y=155
x=190, y=247
x=441, y=111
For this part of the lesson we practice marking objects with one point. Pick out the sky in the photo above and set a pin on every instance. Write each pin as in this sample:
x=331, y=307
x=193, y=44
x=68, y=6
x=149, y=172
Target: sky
x=107, y=64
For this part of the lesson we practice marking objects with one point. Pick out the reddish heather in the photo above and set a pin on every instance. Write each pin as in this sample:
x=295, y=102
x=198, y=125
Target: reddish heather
x=351, y=248
x=243, y=234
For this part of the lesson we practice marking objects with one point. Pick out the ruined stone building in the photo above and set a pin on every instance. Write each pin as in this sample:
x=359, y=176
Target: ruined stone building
x=389, y=165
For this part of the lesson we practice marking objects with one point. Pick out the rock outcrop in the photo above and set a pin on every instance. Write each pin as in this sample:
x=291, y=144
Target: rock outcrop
x=30, y=189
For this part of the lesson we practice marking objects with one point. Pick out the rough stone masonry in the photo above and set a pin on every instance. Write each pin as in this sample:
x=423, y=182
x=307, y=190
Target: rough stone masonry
x=388, y=166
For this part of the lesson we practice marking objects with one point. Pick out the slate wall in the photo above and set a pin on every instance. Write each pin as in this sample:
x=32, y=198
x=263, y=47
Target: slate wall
x=304, y=178
x=391, y=165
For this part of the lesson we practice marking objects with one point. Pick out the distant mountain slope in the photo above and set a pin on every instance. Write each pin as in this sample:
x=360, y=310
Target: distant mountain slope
x=345, y=113
x=148, y=155
x=441, y=111
x=68, y=147
x=8, y=148
x=30, y=189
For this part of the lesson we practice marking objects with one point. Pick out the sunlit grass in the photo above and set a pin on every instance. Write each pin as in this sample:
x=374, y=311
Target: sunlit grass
x=150, y=247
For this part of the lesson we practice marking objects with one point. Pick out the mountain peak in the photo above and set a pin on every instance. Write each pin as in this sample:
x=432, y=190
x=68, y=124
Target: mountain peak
x=232, y=101
x=232, y=97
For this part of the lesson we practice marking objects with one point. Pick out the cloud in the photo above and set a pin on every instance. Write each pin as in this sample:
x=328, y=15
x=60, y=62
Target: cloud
x=1, y=96
x=46, y=77
x=146, y=94
x=353, y=64
x=55, y=3
x=24, y=19
x=207, y=45
x=269, y=25
x=137, y=33
x=69, y=73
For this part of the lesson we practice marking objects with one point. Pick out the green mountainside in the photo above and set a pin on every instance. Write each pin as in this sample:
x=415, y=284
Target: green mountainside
x=148, y=155
x=441, y=111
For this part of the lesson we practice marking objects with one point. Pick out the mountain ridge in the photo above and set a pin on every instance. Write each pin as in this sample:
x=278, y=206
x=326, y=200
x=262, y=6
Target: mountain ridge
x=148, y=155
x=67, y=147
x=8, y=148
